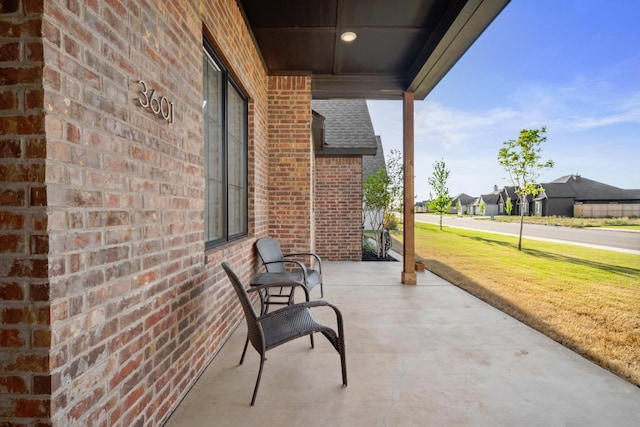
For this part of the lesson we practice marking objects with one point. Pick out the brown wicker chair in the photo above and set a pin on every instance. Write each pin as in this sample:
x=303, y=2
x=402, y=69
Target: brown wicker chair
x=288, y=323
x=275, y=261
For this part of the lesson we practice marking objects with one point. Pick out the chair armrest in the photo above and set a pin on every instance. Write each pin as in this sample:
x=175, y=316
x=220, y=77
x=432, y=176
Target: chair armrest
x=308, y=304
x=291, y=261
x=256, y=288
x=319, y=261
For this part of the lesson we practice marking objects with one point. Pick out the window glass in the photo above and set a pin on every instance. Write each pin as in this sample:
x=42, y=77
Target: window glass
x=237, y=167
x=225, y=153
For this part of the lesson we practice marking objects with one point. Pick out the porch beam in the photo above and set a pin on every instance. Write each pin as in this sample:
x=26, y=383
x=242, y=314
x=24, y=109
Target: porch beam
x=408, y=271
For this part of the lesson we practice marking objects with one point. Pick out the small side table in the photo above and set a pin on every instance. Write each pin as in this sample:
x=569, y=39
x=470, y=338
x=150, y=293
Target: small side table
x=287, y=279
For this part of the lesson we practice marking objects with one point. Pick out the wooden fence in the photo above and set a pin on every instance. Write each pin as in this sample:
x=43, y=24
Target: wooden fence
x=606, y=210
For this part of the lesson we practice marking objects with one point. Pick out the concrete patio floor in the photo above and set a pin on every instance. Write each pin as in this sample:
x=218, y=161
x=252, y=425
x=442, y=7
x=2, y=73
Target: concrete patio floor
x=425, y=355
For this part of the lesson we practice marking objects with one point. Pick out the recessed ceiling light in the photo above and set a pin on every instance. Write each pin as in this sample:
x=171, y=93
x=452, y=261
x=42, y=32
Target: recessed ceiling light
x=348, y=36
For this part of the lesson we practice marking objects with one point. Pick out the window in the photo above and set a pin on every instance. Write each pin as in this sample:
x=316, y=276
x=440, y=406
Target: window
x=225, y=153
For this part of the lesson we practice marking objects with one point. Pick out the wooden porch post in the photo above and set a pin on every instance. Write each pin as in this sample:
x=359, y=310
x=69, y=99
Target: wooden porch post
x=408, y=271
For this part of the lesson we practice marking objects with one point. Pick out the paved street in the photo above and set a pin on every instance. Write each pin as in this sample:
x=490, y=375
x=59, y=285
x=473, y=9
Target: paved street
x=617, y=240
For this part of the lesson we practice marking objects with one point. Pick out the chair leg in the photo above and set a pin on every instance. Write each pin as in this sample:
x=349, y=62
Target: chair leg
x=246, y=344
x=343, y=362
x=255, y=390
x=312, y=343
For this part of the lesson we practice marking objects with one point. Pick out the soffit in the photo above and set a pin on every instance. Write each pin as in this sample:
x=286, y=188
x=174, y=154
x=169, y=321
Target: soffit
x=401, y=46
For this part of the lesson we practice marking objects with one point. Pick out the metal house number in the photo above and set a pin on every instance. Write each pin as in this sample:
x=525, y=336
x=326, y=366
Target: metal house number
x=159, y=106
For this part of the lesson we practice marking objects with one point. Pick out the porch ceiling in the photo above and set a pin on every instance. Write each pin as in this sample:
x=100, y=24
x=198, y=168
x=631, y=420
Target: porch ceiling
x=400, y=46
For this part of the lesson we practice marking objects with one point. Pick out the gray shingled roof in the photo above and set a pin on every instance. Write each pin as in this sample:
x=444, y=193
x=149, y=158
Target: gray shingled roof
x=464, y=199
x=510, y=192
x=491, y=199
x=579, y=188
x=347, y=125
x=371, y=164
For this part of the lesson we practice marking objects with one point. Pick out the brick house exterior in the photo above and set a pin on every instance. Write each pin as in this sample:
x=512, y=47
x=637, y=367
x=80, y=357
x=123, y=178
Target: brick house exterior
x=347, y=138
x=339, y=208
x=111, y=306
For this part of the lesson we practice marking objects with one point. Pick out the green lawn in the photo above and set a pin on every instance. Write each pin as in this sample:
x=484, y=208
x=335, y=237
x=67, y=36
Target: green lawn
x=586, y=299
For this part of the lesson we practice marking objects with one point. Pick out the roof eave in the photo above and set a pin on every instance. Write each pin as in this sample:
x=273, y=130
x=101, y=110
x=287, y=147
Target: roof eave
x=357, y=87
x=346, y=152
x=435, y=62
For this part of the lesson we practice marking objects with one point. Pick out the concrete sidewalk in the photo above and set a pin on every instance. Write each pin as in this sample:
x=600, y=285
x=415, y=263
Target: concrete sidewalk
x=425, y=355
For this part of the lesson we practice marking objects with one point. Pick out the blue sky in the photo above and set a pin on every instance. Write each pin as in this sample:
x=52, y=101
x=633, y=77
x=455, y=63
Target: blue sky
x=570, y=65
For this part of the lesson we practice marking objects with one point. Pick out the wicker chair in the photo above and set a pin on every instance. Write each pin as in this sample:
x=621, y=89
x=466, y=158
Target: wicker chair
x=275, y=261
x=288, y=323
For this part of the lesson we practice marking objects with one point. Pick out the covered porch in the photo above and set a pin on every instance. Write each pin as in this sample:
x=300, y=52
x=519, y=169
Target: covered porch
x=416, y=355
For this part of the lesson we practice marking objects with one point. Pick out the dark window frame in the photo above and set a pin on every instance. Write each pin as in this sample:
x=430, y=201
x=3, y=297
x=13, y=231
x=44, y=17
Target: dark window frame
x=227, y=80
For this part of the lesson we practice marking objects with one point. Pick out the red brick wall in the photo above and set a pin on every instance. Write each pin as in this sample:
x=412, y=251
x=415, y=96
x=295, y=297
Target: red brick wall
x=110, y=306
x=290, y=154
x=339, y=208
x=24, y=284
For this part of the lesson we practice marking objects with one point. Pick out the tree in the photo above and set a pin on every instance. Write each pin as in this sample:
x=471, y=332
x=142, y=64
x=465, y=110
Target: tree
x=521, y=159
x=376, y=199
x=395, y=171
x=441, y=203
x=382, y=195
x=508, y=206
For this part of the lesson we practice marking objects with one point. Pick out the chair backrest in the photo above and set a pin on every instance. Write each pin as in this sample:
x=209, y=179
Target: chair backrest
x=253, y=330
x=269, y=250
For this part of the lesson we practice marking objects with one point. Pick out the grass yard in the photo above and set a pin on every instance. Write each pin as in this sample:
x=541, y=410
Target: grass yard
x=587, y=299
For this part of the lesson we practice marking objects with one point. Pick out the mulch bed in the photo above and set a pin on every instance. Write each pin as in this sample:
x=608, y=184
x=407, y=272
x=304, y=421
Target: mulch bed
x=370, y=256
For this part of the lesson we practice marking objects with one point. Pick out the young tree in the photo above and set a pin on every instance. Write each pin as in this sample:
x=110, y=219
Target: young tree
x=508, y=206
x=395, y=171
x=376, y=199
x=441, y=203
x=521, y=159
x=382, y=196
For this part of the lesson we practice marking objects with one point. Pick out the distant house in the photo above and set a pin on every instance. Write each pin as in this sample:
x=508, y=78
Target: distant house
x=509, y=192
x=489, y=204
x=574, y=195
x=421, y=207
x=461, y=204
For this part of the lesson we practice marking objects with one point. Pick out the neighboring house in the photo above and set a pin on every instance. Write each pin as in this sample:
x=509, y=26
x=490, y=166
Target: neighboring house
x=509, y=192
x=488, y=204
x=421, y=207
x=371, y=164
x=571, y=194
x=142, y=143
x=346, y=150
x=465, y=203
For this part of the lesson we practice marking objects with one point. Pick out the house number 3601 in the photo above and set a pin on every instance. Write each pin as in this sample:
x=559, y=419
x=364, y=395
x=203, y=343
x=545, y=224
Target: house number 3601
x=160, y=106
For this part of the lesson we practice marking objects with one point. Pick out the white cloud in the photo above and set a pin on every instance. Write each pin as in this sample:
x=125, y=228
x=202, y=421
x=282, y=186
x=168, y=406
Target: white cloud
x=451, y=129
x=591, y=131
x=579, y=105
